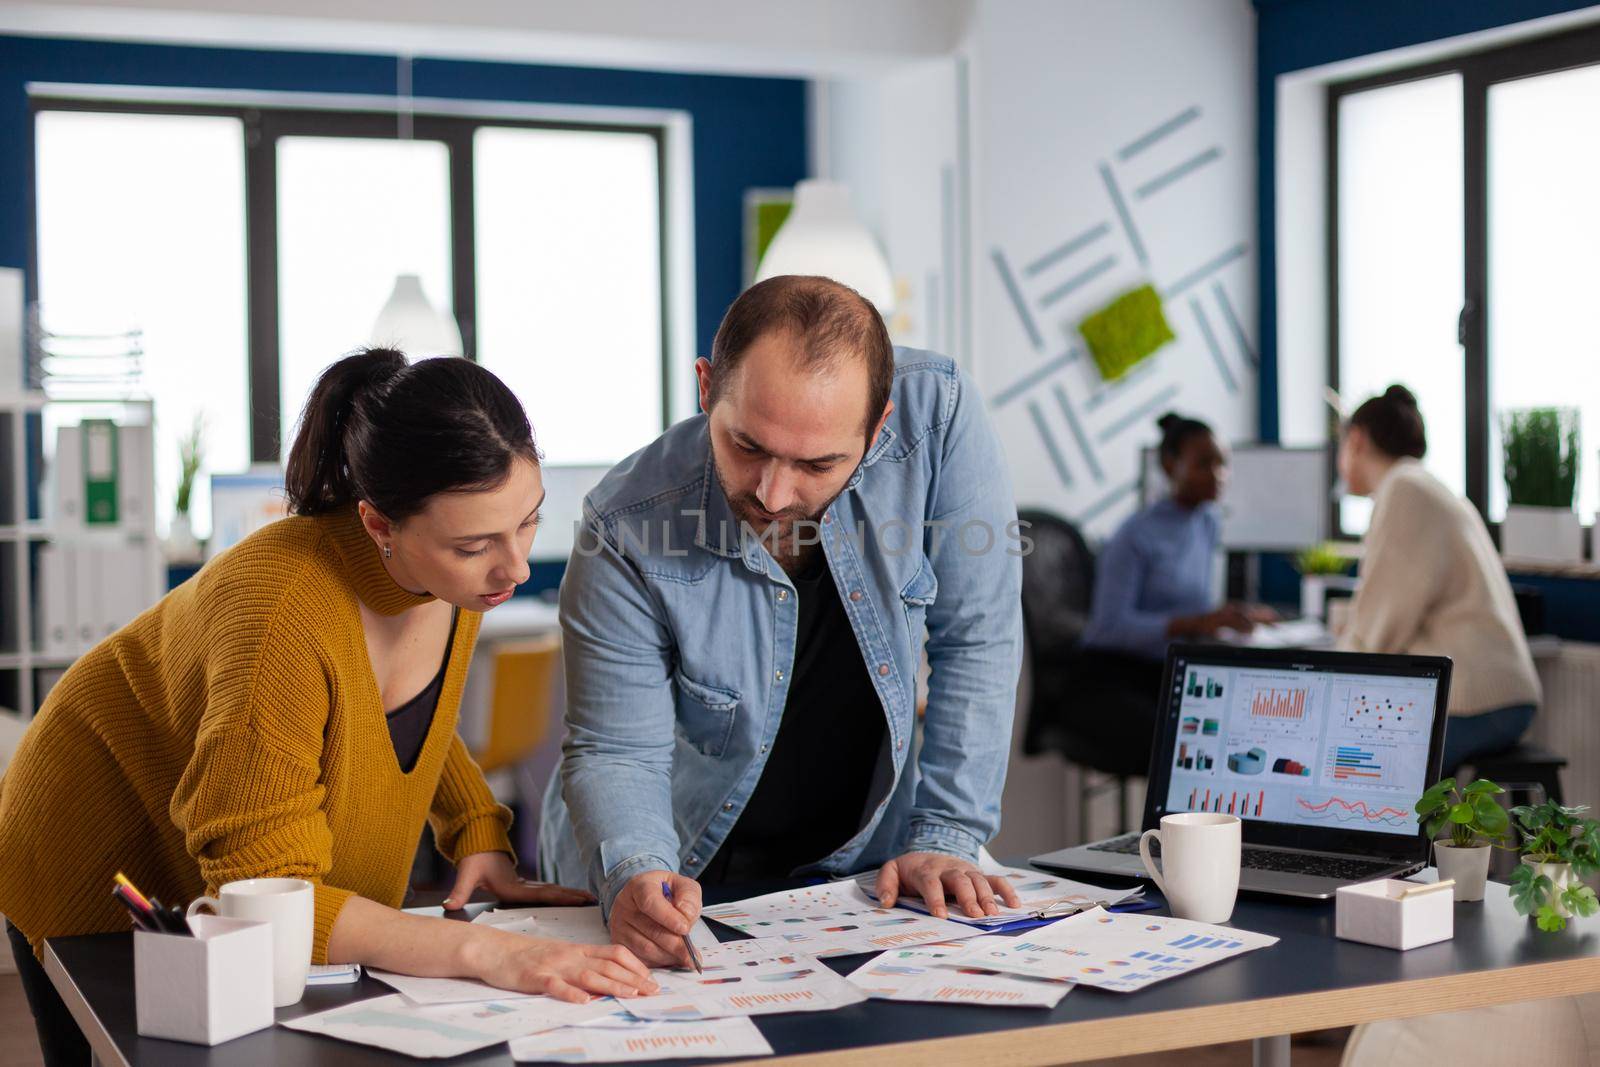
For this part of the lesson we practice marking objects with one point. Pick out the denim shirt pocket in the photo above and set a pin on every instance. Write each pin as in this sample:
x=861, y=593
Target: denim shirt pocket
x=705, y=713
x=917, y=595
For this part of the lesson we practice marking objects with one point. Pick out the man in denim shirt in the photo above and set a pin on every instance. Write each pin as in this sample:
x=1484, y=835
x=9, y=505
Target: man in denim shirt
x=744, y=617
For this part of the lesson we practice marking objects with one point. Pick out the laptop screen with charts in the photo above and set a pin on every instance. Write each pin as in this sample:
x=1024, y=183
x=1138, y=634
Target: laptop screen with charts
x=1313, y=750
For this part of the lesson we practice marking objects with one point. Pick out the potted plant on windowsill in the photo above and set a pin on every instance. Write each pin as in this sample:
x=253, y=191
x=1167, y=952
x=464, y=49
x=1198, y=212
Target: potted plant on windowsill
x=1559, y=847
x=1476, y=823
x=1540, y=447
x=181, y=544
x=1317, y=566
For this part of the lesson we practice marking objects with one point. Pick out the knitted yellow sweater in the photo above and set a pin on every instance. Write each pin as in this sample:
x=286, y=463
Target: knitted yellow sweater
x=235, y=730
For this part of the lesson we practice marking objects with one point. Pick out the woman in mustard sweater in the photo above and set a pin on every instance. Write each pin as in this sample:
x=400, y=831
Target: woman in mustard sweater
x=291, y=710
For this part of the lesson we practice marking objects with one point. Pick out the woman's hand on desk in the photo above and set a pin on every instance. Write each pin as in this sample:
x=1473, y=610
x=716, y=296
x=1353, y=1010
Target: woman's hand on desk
x=565, y=971
x=493, y=871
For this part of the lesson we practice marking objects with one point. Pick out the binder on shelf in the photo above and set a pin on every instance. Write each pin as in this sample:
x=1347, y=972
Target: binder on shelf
x=100, y=493
x=86, y=582
x=56, y=599
x=136, y=477
x=66, y=477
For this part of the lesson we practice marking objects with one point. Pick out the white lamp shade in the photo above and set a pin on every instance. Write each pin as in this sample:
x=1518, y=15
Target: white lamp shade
x=410, y=323
x=823, y=236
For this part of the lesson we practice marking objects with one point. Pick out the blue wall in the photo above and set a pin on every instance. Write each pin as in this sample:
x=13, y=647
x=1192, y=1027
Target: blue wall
x=1295, y=34
x=747, y=131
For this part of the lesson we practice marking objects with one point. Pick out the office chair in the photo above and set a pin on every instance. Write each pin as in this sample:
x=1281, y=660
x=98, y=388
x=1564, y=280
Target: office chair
x=1057, y=591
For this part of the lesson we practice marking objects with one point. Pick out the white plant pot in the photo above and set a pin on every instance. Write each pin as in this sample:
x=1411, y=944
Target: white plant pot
x=1549, y=535
x=181, y=545
x=1468, y=866
x=1561, y=876
x=1313, y=595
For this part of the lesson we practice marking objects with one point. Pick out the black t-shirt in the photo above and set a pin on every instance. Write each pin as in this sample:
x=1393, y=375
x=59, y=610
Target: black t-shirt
x=812, y=794
x=410, y=722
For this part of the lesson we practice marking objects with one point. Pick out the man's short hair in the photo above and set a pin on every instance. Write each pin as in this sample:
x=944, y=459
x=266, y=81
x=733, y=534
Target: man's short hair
x=830, y=321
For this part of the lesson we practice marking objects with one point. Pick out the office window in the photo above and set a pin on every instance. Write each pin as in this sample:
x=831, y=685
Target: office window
x=1400, y=265
x=1544, y=230
x=352, y=213
x=569, y=284
x=1463, y=223
x=255, y=246
x=141, y=224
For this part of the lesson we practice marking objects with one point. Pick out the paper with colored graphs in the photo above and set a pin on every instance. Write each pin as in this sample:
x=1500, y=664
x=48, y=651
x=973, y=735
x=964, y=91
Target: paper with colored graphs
x=785, y=983
x=642, y=1041
x=926, y=973
x=836, y=919
x=582, y=926
x=1109, y=951
x=438, y=1030
x=1038, y=896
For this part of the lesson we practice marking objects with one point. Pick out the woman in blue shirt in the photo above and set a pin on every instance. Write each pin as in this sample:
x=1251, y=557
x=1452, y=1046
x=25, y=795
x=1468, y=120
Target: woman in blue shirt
x=1154, y=584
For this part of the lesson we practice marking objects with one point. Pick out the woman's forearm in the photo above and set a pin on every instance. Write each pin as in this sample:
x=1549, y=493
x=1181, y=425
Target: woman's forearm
x=375, y=936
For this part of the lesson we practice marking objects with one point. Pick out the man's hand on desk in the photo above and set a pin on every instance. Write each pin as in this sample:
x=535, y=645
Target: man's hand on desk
x=934, y=875
x=653, y=927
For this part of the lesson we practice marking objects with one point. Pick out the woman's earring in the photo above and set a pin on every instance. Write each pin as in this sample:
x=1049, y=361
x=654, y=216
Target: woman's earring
x=388, y=552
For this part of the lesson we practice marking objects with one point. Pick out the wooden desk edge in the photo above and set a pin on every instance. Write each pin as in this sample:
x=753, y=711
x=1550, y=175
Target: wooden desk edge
x=1217, y=1024
x=100, y=1041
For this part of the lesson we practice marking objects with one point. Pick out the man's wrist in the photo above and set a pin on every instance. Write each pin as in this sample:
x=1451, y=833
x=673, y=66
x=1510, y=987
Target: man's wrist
x=927, y=836
x=619, y=876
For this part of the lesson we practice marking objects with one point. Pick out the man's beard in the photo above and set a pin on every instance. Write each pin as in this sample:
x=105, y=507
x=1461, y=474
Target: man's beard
x=792, y=534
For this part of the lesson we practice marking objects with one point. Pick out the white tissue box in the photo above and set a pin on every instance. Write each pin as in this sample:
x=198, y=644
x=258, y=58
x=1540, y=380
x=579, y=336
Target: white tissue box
x=205, y=989
x=1372, y=912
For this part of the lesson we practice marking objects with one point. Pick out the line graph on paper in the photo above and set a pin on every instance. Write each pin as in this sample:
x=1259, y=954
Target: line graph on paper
x=1339, y=809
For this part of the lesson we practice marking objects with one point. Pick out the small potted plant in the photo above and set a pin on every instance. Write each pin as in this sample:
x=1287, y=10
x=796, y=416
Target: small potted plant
x=1317, y=565
x=1476, y=823
x=181, y=543
x=1559, y=847
x=1540, y=447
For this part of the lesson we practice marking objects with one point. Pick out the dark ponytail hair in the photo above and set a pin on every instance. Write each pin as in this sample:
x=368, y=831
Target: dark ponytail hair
x=1176, y=430
x=393, y=433
x=1393, y=422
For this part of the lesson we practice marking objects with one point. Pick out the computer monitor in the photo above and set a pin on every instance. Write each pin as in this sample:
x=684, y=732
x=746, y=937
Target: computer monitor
x=1277, y=498
x=1310, y=749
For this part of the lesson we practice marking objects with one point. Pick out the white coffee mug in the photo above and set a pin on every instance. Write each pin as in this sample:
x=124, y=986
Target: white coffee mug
x=1199, y=872
x=289, y=904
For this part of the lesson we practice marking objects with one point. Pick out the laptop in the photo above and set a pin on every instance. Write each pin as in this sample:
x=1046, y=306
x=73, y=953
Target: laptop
x=1321, y=754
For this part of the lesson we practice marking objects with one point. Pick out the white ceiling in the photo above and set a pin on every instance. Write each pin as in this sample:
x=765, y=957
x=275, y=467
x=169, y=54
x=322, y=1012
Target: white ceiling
x=801, y=38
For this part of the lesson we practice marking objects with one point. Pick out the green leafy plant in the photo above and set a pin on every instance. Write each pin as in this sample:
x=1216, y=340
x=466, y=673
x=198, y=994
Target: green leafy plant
x=191, y=454
x=1541, y=448
x=1552, y=833
x=1322, y=559
x=1471, y=814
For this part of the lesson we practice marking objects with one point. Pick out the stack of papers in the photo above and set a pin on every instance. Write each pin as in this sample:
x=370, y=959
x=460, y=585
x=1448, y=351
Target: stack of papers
x=1040, y=896
x=582, y=926
x=928, y=973
x=1117, y=952
x=837, y=919
x=607, y=1042
x=438, y=1030
x=730, y=987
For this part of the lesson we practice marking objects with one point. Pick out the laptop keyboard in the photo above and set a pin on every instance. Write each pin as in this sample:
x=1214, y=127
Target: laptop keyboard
x=1267, y=859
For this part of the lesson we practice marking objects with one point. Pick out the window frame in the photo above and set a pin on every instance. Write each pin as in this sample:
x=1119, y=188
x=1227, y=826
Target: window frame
x=265, y=125
x=1479, y=70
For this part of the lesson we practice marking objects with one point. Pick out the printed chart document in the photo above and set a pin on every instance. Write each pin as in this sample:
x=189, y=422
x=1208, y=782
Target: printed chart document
x=582, y=926
x=643, y=1041
x=837, y=919
x=1039, y=895
x=1118, y=952
x=437, y=1030
x=926, y=973
x=746, y=987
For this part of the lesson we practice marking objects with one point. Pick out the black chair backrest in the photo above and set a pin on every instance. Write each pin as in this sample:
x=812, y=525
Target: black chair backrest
x=1057, y=586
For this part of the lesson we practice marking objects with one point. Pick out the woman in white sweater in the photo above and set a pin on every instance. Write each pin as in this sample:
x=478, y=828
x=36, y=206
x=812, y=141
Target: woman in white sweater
x=1432, y=583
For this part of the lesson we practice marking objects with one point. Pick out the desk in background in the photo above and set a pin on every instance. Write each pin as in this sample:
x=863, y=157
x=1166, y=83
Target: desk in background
x=1308, y=981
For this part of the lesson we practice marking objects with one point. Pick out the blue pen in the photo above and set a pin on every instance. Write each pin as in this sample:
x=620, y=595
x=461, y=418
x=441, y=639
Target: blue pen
x=694, y=957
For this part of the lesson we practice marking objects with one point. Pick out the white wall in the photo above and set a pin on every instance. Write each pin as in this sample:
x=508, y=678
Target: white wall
x=1064, y=95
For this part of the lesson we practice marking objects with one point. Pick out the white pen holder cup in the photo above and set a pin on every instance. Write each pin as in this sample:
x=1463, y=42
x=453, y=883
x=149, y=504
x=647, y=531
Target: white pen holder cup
x=205, y=989
x=1376, y=913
